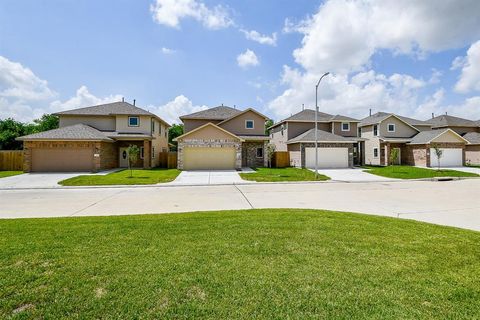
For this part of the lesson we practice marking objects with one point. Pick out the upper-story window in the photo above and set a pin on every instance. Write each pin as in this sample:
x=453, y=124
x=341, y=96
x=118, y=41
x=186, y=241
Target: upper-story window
x=359, y=131
x=391, y=127
x=345, y=126
x=375, y=130
x=248, y=124
x=153, y=126
x=133, y=121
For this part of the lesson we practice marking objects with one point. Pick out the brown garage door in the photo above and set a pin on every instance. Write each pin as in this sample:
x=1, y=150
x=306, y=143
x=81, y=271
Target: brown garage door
x=62, y=160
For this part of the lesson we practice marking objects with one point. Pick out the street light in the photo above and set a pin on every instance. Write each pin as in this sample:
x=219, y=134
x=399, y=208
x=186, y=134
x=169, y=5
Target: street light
x=316, y=120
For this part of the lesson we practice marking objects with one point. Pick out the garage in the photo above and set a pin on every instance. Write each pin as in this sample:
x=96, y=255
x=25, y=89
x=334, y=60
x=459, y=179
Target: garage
x=327, y=157
x=198, y=158
x=62, y=160
x=451, y=157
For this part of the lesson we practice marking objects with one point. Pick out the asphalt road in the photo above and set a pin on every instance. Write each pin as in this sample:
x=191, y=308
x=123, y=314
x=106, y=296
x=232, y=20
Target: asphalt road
x=452, y=203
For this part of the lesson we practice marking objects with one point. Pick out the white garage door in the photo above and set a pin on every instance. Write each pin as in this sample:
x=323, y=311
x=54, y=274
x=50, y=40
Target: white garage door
x=449, y=158
x=327, y=157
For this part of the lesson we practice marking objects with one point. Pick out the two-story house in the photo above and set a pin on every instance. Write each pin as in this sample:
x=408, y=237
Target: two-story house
x=338, y=144
x=414, y=140
x=96, y=138
x=222, y=138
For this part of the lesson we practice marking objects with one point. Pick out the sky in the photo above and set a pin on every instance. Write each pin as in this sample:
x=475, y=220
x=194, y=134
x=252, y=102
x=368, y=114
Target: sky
x=175, y=57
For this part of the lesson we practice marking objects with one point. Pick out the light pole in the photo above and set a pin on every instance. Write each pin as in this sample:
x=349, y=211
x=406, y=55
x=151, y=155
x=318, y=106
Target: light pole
x=316, y=120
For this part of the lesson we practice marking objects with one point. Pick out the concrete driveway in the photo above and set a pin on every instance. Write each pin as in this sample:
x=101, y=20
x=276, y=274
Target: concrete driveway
x=352, y=175
x=465, y=169
x=208, y=177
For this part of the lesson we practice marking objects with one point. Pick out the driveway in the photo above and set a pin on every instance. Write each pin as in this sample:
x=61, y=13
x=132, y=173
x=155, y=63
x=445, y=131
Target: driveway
x=352, y=175
x=208, y=177
x=465, y=169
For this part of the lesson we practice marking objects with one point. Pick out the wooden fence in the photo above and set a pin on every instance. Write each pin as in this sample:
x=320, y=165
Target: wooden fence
x=11, y=160
x=281, y=159
x=168, y=160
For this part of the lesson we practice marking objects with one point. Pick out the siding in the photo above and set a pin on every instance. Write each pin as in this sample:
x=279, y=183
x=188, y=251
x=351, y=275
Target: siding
x=144, y=127
x=337, y=129
x=371, y=143
x=106, y=123
x=237, y=124
x=189, y=125
x=402, y=130
x=295, y=154
x=279, y=139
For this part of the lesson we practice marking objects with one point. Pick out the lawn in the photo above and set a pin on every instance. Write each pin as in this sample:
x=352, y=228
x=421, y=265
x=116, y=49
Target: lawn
x=247, y=264
x=122, y=177
x=4, y=174
x=408, y=172
x=282, y=174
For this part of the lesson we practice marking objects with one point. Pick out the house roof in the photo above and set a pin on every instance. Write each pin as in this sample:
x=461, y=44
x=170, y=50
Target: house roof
x=109, y=109
x=206, y=125
x=451, y=121
x=308, y=115
x=216, y=113
x=75, y=132
x=425, y=137
x=323, y=136
x=381, y=116
x=472, y=137
x=127, y=135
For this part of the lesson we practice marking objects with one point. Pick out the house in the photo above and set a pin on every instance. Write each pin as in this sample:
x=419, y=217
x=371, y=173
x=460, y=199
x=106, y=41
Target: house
x=96, y=138
x=468, y=129
x=222, y=138
x=338, y=144
x=414, y=140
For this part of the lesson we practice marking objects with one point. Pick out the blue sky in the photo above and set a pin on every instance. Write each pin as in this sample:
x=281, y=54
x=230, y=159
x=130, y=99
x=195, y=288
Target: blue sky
x=182, y=56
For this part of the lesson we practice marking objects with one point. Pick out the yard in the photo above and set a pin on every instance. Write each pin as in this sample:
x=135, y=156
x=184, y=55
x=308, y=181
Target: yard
x=122, y=177
x=282, y=174
x=260, y=264
x=409, y=172
x=4, y=174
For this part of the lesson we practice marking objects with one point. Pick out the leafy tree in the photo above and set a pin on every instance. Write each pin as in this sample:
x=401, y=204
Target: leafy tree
x=9, y=130
x=175, y=130
x=393, y=156
x=438, y=153
x=133, y=152
x=46, y=122
x=270, y=152
x=268, y=124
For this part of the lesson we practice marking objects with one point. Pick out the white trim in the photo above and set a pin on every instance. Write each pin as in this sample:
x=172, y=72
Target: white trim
x=253, y=124
x=375, y=156
x=348, y=123
x=153, y=152
x=388, y=127
x=138, y=121
x=378, y=130
x=142, y=152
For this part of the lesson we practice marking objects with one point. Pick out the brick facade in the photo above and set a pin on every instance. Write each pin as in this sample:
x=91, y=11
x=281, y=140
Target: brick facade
x=328, y=145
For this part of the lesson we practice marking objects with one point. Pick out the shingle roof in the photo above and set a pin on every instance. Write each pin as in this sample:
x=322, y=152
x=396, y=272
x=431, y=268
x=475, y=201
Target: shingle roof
x=75, y=132
x=309, y=115
x=472, y=137
x=380, y=116
x=216, y=113
x=451, y=121
x=427, y=136
x=114, y=108
x=323, y=136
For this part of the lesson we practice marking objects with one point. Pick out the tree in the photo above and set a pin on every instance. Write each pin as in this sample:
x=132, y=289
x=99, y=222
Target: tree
x=438, y=153
x=268, y=124
x=270, y=152
x=46, y=122
x=9, y=130
x=175, y=130
x=393, y=156
x=133, y=152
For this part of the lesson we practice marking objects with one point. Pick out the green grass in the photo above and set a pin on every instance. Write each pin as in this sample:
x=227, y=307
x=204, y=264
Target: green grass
x=122, y=177
x=263, y=264
x=4, y=174
x=408, y=172
x=473, y=165
x=282, y=174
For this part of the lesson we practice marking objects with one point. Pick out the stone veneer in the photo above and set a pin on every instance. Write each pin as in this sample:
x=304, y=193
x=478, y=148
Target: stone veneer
x=211, y=143
x=249, y=154
x=328, y=145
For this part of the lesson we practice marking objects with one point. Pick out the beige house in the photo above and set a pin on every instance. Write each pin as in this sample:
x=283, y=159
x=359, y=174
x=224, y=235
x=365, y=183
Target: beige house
x=414, y=140
x=96, y=138
x=338, y=144
x=222, y=138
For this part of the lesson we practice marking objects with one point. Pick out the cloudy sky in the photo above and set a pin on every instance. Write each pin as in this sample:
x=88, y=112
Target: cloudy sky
x=179, y=56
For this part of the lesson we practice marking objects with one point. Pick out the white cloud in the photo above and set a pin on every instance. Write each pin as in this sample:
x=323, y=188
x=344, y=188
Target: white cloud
x=470, y=75
x=469, y=108
x=260, y=38
x=168, y=51
x=247, y=59
x=179, y=106
x=170, y=12
x=82, y=98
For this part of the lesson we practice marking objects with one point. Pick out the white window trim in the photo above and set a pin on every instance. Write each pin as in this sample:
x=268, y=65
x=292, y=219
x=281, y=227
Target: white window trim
x=388, y=127
x=378, y=132
x=375, y=156
x=142, y=152
x=138, y=121
x=256, y=152
x=348, y=123
x=253, y=124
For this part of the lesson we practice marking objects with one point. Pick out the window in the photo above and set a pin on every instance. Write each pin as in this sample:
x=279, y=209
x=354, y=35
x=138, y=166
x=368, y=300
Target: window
x=391, y=127
x=166, y=132
x=153, y=152
x=160, y=129
x=142, y=152
x=260, y=152
x=345, y=126
x=375, y=152
x=133, y=121
x=248, y=124
x=359, y=132
x=375, y=130
x=282, y=129
x=153, y=126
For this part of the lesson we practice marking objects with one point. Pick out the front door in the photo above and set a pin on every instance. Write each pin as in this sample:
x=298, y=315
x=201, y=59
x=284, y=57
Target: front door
x=399, y=157
x=123, y=162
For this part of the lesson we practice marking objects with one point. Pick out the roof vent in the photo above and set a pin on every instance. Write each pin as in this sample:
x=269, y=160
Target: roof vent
x=370, y=112
x=134, y=101
x=123, y=99
x=234, y=107
x=433, y=115
x=303, y=106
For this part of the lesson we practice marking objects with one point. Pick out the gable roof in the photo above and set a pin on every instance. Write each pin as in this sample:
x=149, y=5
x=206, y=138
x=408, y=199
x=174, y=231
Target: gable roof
x=381, y=116
x=472, y=137
x=110, y=109
x=75, y=132
x=308, y=115
x=425, y=137
x=216, y=113
x=323, y=136
x=245, y=111
x=206, y=125
x=451, y=121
